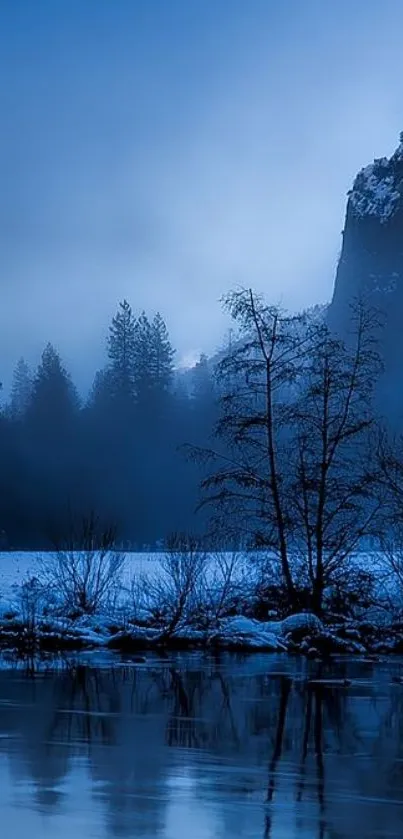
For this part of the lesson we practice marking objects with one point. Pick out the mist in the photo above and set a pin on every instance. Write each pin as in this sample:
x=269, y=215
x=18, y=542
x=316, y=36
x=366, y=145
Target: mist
x=167, y=153
x=201, y=418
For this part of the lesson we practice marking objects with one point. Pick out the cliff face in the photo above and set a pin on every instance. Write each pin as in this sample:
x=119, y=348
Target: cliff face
x=371, y=266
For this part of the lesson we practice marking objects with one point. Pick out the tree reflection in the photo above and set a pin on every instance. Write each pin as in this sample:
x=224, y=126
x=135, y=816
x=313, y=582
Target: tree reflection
x=273, y=738
x=313, y=705
x=285, y=690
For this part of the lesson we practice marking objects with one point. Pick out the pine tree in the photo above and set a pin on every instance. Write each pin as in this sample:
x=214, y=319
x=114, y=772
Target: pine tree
x=121, y=352
x=203, y=385
x=162, y=355
x=142, y=358
x=102, y=389
x=204, y=402
x=153, y=358
x=54, y=398
x=21, y=390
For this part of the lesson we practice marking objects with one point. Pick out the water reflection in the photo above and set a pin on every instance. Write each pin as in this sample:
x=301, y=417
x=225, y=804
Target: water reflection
x=199, y=747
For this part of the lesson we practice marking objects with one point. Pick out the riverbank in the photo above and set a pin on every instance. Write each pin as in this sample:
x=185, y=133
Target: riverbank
x=137, y=602
x=302, y=633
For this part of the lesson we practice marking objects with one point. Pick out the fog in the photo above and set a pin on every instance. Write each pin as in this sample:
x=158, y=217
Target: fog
x=165, y=152
x=162, y=153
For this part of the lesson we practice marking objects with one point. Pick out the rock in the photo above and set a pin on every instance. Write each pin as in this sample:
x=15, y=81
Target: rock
x=133, y=640
x=302, y=623
x=245, y=633
x=371, y=266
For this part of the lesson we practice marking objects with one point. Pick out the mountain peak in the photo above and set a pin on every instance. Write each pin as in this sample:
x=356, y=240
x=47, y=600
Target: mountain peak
x=378, y=188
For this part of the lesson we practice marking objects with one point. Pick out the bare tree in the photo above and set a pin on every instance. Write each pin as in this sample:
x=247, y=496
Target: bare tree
x=32, y=600
x=291, y=463
x=172, y=594
x=85, y=569
x=389, y=451
x=333, y=490
x=227, y=580
x=255, y=379
x=390, y=478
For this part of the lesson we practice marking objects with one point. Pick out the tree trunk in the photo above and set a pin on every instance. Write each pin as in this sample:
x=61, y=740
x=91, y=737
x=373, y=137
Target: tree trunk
x=317, y=594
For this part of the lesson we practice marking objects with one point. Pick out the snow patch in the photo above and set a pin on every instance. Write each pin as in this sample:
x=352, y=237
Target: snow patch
x=376, y=191
x=248, y=634
x=301, y=622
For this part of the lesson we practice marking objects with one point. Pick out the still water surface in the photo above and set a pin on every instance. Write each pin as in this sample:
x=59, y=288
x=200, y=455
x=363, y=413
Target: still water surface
x=198, y=747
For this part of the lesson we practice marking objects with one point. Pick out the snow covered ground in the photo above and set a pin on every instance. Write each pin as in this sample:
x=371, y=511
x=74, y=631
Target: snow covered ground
x=135, y=620
x=17, y=567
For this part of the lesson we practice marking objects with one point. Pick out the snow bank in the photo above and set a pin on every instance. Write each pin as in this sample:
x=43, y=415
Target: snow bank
x=245, y=633
x=128, y=628
x=269, y=635
x=303, y=622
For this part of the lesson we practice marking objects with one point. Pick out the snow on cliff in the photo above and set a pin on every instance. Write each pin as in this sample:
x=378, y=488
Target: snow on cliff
x=378, y=188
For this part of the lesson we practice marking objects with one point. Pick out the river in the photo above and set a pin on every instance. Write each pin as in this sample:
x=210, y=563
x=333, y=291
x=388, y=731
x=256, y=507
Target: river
x=196, y=747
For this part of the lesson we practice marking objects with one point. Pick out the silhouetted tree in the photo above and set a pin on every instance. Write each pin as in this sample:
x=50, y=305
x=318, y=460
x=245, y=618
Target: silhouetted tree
x=202, y=380
x=247, y=490
x=121, y=353
x=102, y=389
x=118, y=455
x=21, y=390
x=153, y=360
x=142, y=358
x=54, y=400
x=333, y=494
x=161, y=357
x=295, y=474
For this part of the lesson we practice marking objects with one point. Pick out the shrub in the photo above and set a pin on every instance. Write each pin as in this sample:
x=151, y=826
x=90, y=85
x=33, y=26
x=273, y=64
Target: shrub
x=173, y=595
x=85, y=571
x=32, y=598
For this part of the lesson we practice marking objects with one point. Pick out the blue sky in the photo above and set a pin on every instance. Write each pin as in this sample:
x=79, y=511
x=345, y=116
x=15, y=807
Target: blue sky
x=166, y=150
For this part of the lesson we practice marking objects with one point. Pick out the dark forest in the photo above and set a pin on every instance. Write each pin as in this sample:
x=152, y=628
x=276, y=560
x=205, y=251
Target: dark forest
x=116, y=452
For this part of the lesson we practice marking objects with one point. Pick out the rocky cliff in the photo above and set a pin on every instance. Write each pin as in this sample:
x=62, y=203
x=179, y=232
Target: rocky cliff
x=371, y=266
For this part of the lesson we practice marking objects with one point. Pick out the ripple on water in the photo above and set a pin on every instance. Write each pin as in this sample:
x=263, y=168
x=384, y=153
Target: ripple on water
x=195, y=746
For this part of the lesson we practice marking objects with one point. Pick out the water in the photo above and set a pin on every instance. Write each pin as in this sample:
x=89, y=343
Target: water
x=191, y=746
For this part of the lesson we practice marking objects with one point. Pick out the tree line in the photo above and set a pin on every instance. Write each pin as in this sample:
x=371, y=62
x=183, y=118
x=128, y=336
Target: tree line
x=281, y=447
x=116, y=453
